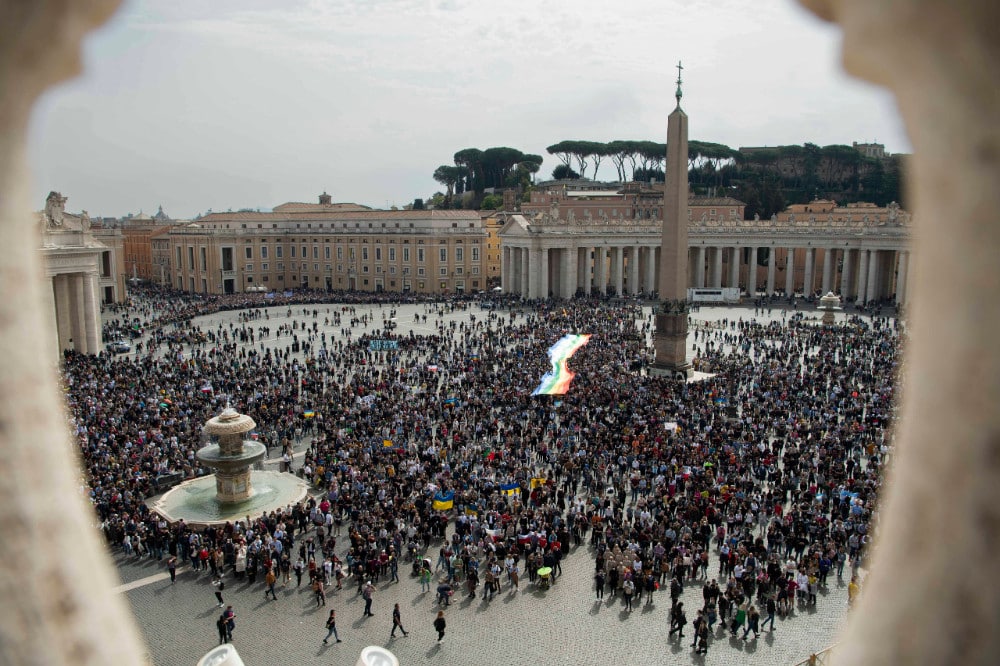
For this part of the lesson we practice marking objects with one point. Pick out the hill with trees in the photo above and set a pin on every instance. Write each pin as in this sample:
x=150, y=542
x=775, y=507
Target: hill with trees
x=766, y=179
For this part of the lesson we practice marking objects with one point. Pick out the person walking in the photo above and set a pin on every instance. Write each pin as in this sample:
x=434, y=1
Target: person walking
x=678, y=620
x=317, y=586
x=221, y=626
x=628, y=589
x=397, y=622
x=270, y=579
x=599, y=583
x=219, y=587
x=331, y=628
x=771, y=607
x=230, y=617
x=439, y=625
x=425, y=579
x=172, y=568
x=753, y=620
x=367, y=594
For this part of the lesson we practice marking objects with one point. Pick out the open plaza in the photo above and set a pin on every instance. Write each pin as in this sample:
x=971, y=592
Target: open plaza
x=778, y=446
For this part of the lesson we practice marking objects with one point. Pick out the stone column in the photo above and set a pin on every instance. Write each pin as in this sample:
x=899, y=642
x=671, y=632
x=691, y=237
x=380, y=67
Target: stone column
x=862, y=275
x=716, y=268
x=872, y=281
x=525, y=272
x=827, y=271
x=752, y=273
x=699, y=268
x=617, y=268
x=650, y=285
x=76, y=317
x=633, y=270
x=64, y=325
x=505, y=269
x=904, y=258
x=600, y=270
x=772, y=264
x=807, y=279
x=790, y=272
x=534, y=274
x=92, y=314
x=543, y=273
x=567, y=279
x=734, y=267
x=845, y=276
x=583, y=269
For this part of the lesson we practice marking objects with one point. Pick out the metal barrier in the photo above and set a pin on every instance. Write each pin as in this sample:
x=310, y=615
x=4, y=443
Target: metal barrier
x=822, y=658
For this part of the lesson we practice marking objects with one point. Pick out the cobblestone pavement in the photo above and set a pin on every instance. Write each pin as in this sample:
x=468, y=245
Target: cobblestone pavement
x=563, y=625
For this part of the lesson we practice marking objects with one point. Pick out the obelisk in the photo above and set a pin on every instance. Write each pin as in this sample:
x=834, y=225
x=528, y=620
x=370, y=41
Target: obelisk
x=670, y=336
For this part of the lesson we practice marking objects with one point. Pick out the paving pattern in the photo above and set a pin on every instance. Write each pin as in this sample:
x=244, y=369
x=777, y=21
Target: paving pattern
x=563, y=625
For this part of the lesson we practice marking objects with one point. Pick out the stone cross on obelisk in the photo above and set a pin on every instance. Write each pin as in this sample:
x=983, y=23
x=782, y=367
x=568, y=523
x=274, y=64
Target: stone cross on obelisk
x=670, y=336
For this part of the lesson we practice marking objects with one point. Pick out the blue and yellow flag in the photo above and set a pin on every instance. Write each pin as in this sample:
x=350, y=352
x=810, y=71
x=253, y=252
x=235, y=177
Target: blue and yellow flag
x=537, y=481
x=444, y=501
x=509, y=488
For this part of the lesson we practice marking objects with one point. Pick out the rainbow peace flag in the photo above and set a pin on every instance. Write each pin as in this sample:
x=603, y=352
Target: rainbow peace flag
x=556, y=381
x=308, y=415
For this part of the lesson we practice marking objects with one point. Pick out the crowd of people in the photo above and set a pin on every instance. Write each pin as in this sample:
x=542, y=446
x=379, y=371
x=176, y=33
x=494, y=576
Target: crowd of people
x=756, y=483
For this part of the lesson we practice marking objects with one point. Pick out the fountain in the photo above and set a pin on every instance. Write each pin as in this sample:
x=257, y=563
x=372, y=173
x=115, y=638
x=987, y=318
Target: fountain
x=235, y=490
x=828, y=305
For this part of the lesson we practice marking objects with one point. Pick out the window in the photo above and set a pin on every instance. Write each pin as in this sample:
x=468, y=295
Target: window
x=364, y=254
x=475, y=254
x=278, y=253
x=248, y=268
x=340, y=252
x=249, y=252
x=191, y=264
x=420, y=255
x=264, y=278
x=475, y=270
x=378, y=269
x=378, y=254
x=711, y=211
x=204, y=258
x=392, y=254
x=459, y=255
x=326, y=252
x=443, y=255
x=351, y=254
x=304, y=252
x=264, y=267
x=443, y=270
x=364, y=269
x=406, y=255
x=315, y=267
x=263, y=252
x=420, y=271
x=281, y=266
x=392, y=270
x=293, y=252
x=315, y=251
x=458, y=270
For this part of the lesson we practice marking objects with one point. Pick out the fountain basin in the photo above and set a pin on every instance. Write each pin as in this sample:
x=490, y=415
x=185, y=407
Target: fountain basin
x=195, y=501
x=214, y=456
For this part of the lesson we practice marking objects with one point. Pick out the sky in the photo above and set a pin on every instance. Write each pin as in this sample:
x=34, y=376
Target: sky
x=235, y=104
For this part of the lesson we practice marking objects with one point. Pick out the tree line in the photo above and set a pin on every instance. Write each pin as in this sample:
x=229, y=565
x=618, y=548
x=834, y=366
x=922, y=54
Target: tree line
x=766, y=179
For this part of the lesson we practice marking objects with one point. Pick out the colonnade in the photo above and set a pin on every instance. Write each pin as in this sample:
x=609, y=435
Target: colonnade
x=565, y=271
x=861, y=274
x=77, y=311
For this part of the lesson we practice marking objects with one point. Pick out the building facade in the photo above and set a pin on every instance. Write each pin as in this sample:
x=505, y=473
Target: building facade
x=328, y=246
x=859, y=251
x=83, y=265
